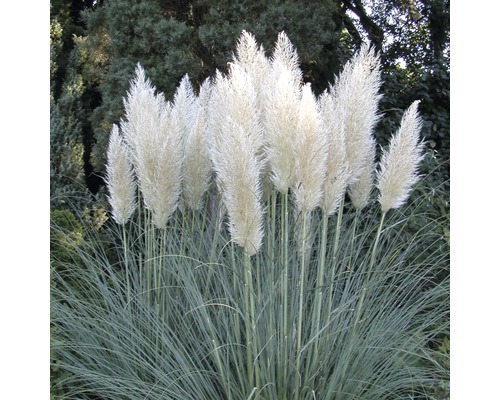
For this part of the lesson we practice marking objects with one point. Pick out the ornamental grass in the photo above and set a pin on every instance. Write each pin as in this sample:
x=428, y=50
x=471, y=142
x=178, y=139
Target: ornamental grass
x=248, y=257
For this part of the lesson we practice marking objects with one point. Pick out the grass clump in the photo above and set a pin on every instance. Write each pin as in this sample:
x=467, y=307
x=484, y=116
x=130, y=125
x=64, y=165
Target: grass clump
x=272, y=283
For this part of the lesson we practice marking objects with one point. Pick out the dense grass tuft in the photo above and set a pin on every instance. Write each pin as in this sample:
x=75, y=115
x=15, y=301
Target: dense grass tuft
x=183, y=323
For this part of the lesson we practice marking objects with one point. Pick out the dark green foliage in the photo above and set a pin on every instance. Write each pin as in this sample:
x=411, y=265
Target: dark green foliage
x=67, y=222
x=71, y=234
x=72, y=99
x=62, y=28
x=66, y=234
x=311, y=26
x=67, y=174
x=56, y=45
x=417, y=67
x=129, y=33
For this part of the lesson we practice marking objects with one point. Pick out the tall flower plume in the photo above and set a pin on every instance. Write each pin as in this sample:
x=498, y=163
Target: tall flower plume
x=120, y=178
x=285, y=56
x=140, y=101
x=251, y=57
x=310, y=153
x=280, y=114
x=197, y=169
x=155, y=140
x=335, y=183
x=357, y=92
x=399, y=165
x=183, y=107
x=236, y=154
x=183, y=115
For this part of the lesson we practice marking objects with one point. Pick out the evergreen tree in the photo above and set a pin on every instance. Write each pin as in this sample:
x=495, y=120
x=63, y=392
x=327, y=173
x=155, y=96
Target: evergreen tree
x=129, y=33
x=67, y=178
x=71, y=100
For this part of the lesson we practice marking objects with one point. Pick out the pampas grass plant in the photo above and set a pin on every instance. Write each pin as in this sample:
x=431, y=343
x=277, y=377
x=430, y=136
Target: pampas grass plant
x=202, y=308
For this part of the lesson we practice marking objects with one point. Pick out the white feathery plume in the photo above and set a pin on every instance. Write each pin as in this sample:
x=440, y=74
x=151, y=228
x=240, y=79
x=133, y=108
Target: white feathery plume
x=360, y=190
x=252, y=58
x=140, y=101
x=399, y=165
x=216, y=117
x=285, y=55
x=236, y=154
x=310, y=153
x=280, y=113
x=183, y=119
x=197, y=168
x=356, y=91
x=248, y=52
x=120, y=178
x=155, y=142
x=168, y=172
x=335, y=183
x=183, y=108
